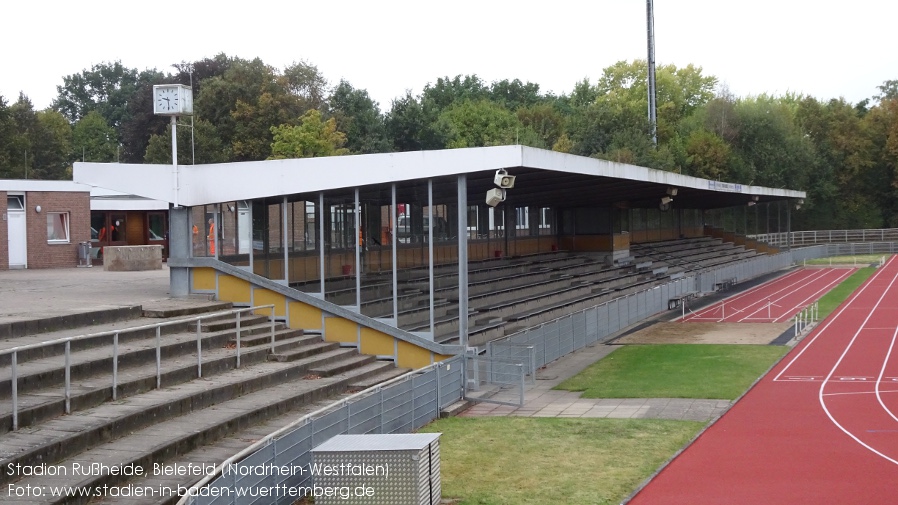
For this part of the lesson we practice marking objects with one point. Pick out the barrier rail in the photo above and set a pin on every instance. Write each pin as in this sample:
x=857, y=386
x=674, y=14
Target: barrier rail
x=13, y=352
x=400, y=405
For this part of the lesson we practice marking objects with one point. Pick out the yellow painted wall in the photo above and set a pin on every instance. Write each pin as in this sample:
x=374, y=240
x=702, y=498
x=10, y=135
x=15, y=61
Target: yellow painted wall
x=412, y=356
x=232, y=289
x=376, y=343
x=304, y=316
x=203, y=278
x=337, y=329
x=266, y=296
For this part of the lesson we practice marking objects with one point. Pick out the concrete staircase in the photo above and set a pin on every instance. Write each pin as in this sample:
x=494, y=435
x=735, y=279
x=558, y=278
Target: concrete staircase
x=190, y=418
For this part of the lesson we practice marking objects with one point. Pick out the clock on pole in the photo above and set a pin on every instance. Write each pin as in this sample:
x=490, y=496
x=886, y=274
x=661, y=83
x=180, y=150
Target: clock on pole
x=173, y=100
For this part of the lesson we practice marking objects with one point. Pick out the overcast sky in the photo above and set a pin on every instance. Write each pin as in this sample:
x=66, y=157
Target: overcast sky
x=389, y=46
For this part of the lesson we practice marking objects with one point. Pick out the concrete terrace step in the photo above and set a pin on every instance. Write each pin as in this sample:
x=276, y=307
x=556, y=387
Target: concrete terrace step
x=181, y=308
x=64, y=437
x=218, y=451
x=303, y=351
x=343, y=365
x=390, y=373
x=95, y=390
x=229, y=322
x=172, y=438
x=39, y=373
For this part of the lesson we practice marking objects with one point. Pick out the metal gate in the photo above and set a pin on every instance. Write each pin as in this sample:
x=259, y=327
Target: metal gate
x=494, y=380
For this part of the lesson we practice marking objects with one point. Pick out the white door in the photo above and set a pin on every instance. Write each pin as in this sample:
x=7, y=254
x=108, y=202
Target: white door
x=16, y=240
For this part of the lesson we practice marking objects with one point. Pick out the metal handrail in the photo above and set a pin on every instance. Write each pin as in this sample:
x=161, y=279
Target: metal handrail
x=209, y=477
x=14, y=352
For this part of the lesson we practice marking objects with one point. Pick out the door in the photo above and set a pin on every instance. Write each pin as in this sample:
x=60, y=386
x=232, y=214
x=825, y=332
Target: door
x=157, y=230
x=16, y=237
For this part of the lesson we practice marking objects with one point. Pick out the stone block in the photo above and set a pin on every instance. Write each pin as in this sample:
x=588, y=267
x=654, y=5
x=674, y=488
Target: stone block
x=130, y=258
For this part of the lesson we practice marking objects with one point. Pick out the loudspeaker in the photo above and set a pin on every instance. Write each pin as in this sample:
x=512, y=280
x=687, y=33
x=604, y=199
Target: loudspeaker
x=503, y=180
x=495, y=196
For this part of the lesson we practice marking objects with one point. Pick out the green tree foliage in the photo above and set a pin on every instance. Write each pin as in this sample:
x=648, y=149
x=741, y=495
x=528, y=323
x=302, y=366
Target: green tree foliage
x=206, y=147
x=52, y=146
x=312, y=138
x=483, y=123
x=358, y=116
x=94, y=140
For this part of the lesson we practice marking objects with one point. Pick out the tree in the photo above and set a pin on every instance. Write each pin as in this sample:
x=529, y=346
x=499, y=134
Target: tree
x=208, y=148
x=94, y=140
x=514, y=94
x=545, y=120
x=310, y=139
x=483, y=123
x=410, y=127
x=52, y=145
x=359, y=117
x=106, y=88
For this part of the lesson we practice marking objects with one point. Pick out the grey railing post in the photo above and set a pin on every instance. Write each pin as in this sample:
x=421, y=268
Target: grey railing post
x=199, y=349
x=68, y=377
x=436, y=368
x=272, y=329
x=15, y=392
x=238, y=339
x=114, y=366
x=158, y=356
x=521, y=370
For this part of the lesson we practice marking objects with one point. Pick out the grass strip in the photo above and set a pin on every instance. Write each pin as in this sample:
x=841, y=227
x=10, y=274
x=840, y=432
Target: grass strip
x=675, y=371
x=575, y=461
x=857, y=259
x=831, y=300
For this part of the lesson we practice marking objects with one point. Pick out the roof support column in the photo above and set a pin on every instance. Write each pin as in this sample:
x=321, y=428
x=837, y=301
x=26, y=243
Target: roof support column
x=432, y=221
x=789, y=224
x=394, y=220
x=285, y=236
x=358, y=252
x=179, y=247
x=463, y=260
x=321, y=241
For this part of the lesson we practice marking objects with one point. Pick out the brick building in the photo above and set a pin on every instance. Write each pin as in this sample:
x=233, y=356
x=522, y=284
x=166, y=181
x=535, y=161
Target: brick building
x=43, y=223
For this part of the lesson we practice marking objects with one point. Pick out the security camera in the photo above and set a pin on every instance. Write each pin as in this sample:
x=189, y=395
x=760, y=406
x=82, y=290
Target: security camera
x=503, y=180
x=495, y=196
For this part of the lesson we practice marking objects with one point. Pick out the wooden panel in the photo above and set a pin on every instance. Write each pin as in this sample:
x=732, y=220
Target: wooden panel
x=136, y=233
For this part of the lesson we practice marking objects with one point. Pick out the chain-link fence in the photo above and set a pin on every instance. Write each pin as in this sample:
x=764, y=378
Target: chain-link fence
x=399, y=406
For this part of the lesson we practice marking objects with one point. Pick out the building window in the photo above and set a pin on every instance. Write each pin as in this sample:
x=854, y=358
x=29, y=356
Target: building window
x=58, y=227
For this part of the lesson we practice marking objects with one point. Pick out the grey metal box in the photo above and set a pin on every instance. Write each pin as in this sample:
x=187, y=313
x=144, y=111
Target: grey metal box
x=393, y=469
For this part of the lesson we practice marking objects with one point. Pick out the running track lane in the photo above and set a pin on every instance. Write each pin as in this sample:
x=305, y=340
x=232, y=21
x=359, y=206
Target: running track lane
x=820, y=428
x=786, y=295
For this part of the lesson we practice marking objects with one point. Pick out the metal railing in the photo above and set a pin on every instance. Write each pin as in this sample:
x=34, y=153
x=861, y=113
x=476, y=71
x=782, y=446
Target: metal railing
x=401, y=405
x=494, y=380
x=13, y=352
x=813, y=237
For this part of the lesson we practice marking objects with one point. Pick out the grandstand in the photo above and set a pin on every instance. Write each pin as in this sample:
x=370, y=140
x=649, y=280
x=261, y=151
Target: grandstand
x=364, y=267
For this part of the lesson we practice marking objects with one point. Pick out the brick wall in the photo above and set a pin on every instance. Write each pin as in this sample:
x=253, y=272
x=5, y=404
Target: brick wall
x=4, y=234
x=44, y=255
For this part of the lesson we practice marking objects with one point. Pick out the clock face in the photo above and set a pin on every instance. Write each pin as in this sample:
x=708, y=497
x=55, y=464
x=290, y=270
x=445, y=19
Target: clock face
x=166, y=100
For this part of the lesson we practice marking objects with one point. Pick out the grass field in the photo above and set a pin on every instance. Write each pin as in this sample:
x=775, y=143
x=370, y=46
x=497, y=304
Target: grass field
x=580, y=461
x=576, y=461
x=675, y=371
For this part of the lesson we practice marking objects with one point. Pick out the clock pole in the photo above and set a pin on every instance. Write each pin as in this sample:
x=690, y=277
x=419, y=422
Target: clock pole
x=176, y=174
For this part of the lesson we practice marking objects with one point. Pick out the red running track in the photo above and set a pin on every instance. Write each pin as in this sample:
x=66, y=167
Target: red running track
x=820, y=428
x=774, y=301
